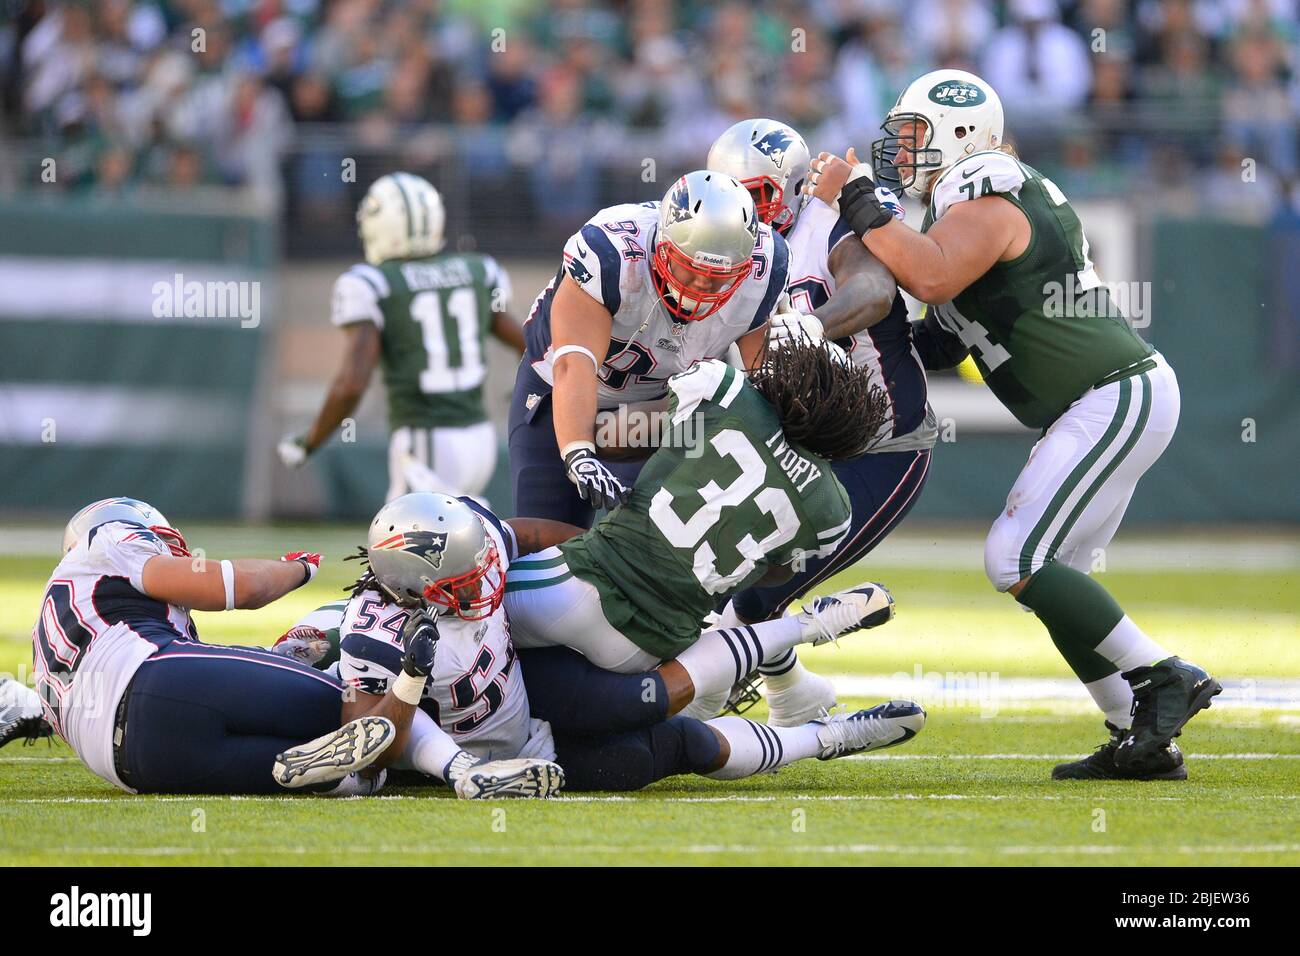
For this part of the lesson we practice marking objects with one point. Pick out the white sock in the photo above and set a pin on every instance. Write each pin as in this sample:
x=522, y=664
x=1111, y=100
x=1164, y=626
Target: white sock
x=702, y=708
x=428, y=748
x=784, y=671
x=759, y=748
x=1115, y=698
x=1127, y=647
x=720, y=658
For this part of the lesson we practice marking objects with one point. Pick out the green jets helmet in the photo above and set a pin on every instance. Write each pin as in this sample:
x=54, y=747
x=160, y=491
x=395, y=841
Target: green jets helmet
x=401, y=217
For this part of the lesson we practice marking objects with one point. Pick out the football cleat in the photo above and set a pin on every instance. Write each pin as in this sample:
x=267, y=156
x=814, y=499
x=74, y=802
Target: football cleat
x=358, y=785
x=520, y=778
x=825, y=619
x=885, y=725
x=1167, y=764
x=353, y=747
x=794, y=706
x=21, y=713
x=1166, y=696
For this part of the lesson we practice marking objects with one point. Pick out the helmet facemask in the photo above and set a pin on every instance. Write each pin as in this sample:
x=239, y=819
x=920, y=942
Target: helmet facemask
x=769, y=202
x=918, y=162
x=474, y=595
x=684, y=300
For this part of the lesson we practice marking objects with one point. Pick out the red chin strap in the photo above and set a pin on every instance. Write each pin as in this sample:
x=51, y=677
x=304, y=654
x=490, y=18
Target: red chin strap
x=490, y=591
x=174, y=540
x=672, y=291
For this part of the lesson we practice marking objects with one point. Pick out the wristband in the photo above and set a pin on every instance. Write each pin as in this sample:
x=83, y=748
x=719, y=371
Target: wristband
x=408, y=689
x=228, y=582
x=568, y=349
x=308, y=567
x=575, y=445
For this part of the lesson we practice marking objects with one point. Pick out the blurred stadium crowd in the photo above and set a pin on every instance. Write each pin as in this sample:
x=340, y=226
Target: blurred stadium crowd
x=1107, y=95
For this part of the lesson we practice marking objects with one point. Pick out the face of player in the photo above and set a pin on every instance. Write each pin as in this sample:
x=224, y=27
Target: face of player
x=912, y=136
x=696, y=282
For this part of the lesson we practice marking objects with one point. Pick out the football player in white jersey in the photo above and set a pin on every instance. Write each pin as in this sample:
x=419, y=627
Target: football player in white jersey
x=839, y=291
x=645, y=291
x=470, y=725
x=124, y=679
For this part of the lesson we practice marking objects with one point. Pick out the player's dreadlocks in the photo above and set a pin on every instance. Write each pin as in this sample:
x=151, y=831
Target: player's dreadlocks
x=830, y=408
x=366, y=581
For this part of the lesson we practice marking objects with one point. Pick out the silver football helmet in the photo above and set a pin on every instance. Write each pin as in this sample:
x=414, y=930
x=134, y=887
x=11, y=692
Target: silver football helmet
x=704, y=245
x=430, y=550
x=123, y=509
x=771, y=160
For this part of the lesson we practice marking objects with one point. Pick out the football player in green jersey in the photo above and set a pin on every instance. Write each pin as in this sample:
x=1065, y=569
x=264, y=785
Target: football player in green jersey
x=999, y=249
x=738, y=490
x=423, y=315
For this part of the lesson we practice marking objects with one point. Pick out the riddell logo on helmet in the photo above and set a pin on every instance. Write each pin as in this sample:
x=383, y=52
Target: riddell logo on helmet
x=712, y=261
x=957, y=94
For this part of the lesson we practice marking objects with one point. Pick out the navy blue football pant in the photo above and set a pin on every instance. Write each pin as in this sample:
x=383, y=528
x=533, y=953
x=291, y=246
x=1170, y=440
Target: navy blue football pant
x=207, y=719
x=882, y=489
x=541, y=488
x=611, y=730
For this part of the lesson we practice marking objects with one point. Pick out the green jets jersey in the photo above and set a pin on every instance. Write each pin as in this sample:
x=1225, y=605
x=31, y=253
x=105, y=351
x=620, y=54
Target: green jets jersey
x=433, y=316
x=1042, y=327
x=714, y=508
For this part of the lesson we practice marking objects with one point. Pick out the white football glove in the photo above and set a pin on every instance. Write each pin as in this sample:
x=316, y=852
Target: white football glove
x=788, y=324
x=293, y=451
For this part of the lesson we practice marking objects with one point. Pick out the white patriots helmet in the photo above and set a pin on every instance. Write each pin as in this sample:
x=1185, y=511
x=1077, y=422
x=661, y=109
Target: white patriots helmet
x=431, y=550
x=771, y=160
x=401, y=217
x=962, y=115
x=123, y=509
x=704, y=244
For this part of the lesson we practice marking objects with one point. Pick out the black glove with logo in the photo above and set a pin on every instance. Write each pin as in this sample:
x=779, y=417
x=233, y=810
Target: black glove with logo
x=861, y=208
x=595, y=482
x=420, y=643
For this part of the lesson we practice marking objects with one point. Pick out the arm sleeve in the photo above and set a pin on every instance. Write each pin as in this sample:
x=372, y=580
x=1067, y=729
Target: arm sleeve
x=709, y=381
x=126, y=547
x=939, y=349
x=981, y=174
x=367, y=664
x=356, y=296
x=591, y=260
x=778, y=273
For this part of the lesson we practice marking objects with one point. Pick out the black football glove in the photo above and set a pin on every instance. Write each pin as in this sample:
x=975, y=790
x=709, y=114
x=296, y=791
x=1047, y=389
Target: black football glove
x=420, y=642
x=595, y=482
x=861, y=207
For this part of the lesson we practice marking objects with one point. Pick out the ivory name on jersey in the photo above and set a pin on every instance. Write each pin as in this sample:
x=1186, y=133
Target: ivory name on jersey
x=96, y=627
x=609, y=258
x=885, y=349
x=709, y=516
x=434, y=316
x=1037, y=362
x=476, y=691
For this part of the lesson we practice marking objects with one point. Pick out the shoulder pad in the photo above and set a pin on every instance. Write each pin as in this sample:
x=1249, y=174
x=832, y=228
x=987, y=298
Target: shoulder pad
x=712, y=380
x=980, y=174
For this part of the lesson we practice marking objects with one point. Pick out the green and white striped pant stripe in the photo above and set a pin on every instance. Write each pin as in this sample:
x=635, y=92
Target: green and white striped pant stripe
x=537, y=571
x=1089, y=475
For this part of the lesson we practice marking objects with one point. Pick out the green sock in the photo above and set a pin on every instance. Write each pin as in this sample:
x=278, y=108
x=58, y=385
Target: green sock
x=1078, y=614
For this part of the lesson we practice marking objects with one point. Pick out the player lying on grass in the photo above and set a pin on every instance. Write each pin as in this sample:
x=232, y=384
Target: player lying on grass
x=998, y=246
x=450, y=557
x=739, y=491
x=125, y=680
x=645, y=291
x=838, y=291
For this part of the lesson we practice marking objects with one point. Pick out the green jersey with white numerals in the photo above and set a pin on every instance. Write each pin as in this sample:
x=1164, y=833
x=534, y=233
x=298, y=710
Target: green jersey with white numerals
x=434, y=315
x=713, y=509
x=1042, y=328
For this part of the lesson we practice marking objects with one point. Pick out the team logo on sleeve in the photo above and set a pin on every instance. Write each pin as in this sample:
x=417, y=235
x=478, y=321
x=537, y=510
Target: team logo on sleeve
x=679, y=204
x=774, y=146
x=580, y=273
x=429, y=545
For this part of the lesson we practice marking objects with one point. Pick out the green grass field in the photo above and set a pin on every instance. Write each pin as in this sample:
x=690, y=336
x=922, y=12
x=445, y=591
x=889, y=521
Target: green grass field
x=972, y=789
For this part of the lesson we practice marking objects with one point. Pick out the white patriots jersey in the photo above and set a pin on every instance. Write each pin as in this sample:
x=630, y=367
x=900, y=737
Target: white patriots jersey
x=96, y=627
x=884, y=350
x=610, y=259
x=476, y=691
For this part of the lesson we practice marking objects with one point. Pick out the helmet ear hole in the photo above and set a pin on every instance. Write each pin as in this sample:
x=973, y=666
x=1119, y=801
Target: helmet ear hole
x=960, y=132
